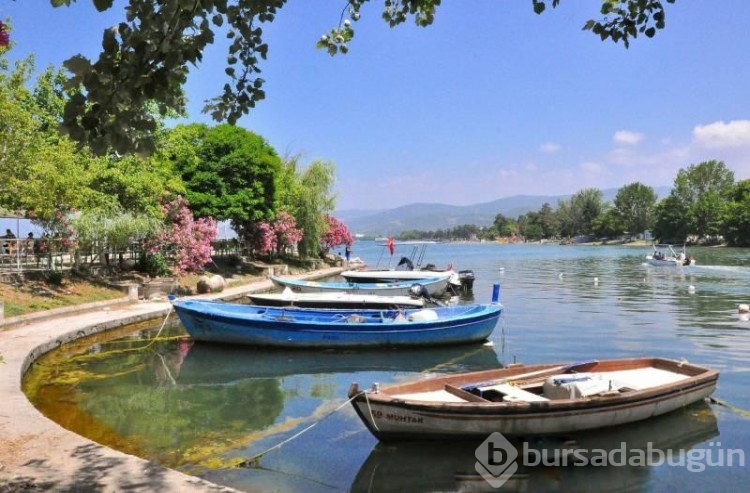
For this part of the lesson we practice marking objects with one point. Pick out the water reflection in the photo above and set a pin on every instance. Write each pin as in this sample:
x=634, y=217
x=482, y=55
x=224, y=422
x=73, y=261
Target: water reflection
x=450, y=466
x=202, y=408
x=159, y=395
x=216, y=363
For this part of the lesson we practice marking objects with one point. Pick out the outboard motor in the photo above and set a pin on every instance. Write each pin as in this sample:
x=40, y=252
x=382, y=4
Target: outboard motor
x=417, y=291
x=405, y=264
x=467, y=280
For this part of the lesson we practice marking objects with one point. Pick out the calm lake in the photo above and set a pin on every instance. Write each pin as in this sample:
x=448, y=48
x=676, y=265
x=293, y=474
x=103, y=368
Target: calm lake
x=202, y=409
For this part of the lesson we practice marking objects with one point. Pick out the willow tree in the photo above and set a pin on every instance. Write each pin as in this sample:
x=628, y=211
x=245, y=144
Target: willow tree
x=148, y=56
x=307, y=195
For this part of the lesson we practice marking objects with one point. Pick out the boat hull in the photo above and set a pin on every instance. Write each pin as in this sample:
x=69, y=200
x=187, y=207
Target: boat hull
x=405, y=419
x=304, y=328
x=370, y=276
x=435, y=286
x=668, y=262
x=335, y=300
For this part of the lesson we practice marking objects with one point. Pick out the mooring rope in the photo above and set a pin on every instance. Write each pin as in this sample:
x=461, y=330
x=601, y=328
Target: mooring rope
x=254, y=460
x=742, y=412
x=163, y=324
x=369, y=409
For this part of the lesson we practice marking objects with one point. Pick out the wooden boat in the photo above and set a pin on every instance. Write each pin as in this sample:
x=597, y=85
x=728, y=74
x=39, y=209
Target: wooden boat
x=665, y=256
x=451, y=465
x=534, y=400
x=334, y=299
x=434, y=286
x=216, y=321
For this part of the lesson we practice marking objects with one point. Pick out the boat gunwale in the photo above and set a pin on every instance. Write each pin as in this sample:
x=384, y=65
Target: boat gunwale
x=348, y=285
x=474, y=312
x=698, y=377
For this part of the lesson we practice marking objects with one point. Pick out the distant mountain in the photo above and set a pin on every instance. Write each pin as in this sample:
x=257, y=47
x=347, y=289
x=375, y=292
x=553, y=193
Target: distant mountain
x=431, y=217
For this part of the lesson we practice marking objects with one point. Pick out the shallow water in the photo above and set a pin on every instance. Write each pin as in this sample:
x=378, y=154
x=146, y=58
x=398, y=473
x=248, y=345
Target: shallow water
x=202, y=409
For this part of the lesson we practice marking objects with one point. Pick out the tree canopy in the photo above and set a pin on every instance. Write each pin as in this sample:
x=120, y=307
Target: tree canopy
x=697, y=203
x=635, y=205
x=147, y=57
x=230, y=173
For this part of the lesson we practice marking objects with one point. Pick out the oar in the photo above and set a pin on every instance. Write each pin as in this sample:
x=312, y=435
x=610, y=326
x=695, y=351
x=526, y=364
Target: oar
x=558, y=369
x=578, y=365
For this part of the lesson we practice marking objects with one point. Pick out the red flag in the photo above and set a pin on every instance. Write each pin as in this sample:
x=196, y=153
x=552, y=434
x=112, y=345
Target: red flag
x=390, y=245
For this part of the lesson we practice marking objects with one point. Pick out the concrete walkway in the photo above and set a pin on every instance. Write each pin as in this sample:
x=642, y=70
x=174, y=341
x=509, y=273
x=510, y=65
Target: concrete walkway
x=37, y=454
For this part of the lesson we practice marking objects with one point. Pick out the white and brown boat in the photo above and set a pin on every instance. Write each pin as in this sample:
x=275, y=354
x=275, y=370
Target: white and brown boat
x=335, y=299
x=534, y=400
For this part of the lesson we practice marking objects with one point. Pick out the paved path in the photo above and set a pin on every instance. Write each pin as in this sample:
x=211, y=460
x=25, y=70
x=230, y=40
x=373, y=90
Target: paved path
x=37, y=454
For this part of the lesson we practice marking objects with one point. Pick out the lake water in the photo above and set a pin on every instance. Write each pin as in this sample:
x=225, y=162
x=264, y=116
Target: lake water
x=202, y=409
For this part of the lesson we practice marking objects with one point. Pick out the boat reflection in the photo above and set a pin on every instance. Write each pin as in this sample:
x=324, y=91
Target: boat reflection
x=450, y=466
x=212, y=363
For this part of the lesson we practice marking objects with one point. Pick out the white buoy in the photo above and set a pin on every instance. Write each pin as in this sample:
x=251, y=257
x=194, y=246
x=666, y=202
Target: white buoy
x=596, y=281
x=691, y=288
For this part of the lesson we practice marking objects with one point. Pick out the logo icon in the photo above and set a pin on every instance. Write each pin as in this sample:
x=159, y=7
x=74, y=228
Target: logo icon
x=496, y=460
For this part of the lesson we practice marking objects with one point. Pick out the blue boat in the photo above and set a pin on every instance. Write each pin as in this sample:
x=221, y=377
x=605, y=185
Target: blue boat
x=435, y=286
x=292, y=327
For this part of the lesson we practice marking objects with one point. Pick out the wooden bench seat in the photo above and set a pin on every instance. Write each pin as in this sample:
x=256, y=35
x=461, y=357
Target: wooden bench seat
x=514, y=393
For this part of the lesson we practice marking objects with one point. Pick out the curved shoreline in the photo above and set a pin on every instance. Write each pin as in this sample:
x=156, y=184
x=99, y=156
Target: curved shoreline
x=37, y=454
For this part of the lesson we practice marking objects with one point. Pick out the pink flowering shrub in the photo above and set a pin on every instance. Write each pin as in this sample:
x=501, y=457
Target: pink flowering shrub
x=336, y=234
x=263, y=239
x=274, y=237
x=185, y=239
x=4, y=35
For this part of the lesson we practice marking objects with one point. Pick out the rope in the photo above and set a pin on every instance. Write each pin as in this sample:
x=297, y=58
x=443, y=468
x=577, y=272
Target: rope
x=163, y=324
x=369, y=409
x=255, y=460
x=742, y=412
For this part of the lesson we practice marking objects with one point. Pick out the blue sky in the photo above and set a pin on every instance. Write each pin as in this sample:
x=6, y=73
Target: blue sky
x=490, y=101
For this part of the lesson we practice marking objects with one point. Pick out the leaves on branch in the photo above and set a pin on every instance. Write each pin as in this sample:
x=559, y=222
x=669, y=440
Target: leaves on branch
x=146, y=59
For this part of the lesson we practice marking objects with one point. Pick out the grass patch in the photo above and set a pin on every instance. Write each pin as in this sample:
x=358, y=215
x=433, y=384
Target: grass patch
x=29, y=295
x=22, y=295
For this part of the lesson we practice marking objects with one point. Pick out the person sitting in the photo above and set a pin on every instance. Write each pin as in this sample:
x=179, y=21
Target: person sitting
x=9, y=234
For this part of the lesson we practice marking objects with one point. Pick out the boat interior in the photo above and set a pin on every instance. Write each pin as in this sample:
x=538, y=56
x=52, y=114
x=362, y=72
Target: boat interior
x=551, y=387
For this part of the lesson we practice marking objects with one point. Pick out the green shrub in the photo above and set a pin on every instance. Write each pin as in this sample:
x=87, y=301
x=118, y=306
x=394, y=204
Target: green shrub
x=155, y=265
x=55, y=277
